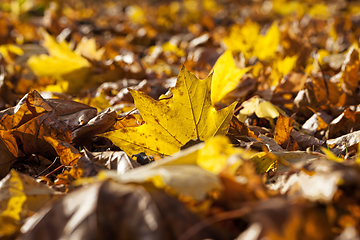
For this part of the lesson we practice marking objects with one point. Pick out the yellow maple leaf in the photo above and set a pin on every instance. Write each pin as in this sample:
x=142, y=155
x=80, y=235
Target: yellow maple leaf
x=170, y=123
x=226, y=76
x=247, y=39
x=61, y=59
x=242, y=38
x=87, y=48
x=265, y=47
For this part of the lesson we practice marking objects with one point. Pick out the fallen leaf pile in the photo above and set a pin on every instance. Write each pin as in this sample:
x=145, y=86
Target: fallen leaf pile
x=193, y=119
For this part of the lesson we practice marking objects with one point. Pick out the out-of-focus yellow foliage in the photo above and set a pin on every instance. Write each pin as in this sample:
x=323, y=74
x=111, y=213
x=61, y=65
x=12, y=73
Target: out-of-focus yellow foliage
x=213, y=157
x=216, y=154
x=330, y=155
x=242, y=38
x=265, y=46
x=87, y=48
x=169, y=47
x=284, y=7
x=136, y=14
x=282, y=67
x=319, y=10
x=61, y=59
x=247, y=39
x=6, y=49
x=226, y=76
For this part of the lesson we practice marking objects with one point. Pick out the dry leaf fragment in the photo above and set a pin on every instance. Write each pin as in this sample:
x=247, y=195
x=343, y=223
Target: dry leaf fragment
x=170, y=123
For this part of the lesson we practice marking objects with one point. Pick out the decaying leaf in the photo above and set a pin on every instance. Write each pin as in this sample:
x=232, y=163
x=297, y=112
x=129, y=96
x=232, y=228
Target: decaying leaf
x=170, y=123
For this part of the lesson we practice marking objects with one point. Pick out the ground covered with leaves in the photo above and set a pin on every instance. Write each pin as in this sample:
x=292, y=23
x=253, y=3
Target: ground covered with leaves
x=193, y=119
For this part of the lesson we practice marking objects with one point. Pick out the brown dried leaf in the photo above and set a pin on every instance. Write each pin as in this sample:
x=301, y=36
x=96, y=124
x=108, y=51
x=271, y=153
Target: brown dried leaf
x=110, y=210
x=96, y=125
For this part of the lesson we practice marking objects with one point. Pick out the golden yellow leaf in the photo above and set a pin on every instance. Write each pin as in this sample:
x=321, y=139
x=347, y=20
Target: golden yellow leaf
x=226, y=76
x=215, y=155
x=247, y=39
x=10, y=48
x=242, y=38
x=284, y=7
x=87, y=48
x=61, y=59
x=282, y=67
x=170, y=123
x=265, y=47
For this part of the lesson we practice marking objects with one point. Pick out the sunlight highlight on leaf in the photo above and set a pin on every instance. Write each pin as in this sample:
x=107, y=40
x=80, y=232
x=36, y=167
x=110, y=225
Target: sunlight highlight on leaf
x=226, y=76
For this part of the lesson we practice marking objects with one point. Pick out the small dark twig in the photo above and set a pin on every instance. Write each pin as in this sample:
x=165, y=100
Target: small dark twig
x=55, y=170
x=47, y=167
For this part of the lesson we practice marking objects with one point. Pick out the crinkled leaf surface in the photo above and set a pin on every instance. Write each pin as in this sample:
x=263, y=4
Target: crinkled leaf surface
x=170, y=123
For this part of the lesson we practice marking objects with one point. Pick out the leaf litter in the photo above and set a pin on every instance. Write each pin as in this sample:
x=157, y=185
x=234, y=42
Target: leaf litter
x=179, y=120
